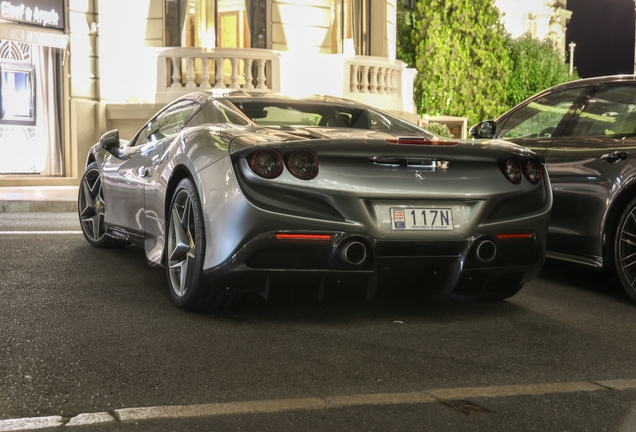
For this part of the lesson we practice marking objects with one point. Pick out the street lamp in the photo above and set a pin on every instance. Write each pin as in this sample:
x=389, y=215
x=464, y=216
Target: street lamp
x=572, y=45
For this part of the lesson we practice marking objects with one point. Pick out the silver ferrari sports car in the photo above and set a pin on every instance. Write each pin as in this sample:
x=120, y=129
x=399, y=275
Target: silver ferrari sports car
x=236, y=194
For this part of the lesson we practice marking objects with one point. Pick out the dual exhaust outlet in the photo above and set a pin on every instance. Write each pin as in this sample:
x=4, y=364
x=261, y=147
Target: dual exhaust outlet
x=354, y=252
x=485, y=250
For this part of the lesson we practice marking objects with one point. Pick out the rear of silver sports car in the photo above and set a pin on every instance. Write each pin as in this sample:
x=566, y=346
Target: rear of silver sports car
x=379, y=216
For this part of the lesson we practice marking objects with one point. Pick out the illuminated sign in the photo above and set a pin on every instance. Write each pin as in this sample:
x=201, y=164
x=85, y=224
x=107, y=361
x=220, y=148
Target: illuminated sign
x=43, y=13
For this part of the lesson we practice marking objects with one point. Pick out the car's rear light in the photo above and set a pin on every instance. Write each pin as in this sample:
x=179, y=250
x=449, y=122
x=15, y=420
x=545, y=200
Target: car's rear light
x=514, y=236
x=302, y=236
x=303, y=164
x=266, y=163
x=420, y=141
x=512, y=170
x=533, y=171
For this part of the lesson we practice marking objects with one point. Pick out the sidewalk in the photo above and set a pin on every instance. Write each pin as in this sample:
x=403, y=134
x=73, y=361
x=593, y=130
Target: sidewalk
x=38, y=199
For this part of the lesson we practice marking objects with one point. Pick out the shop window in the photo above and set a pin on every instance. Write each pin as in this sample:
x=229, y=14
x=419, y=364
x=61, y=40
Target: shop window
x=17, y=96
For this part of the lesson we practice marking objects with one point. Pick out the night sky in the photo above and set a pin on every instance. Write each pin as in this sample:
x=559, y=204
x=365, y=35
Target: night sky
x=603, y=31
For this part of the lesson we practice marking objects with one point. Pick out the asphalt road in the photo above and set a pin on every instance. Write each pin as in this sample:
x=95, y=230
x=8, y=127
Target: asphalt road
x=90, y=337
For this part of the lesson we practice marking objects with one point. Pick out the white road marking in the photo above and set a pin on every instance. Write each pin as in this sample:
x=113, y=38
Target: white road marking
x=513, y=390
x=281, y=405
x=624, y=384
x=380, y=399
x=206, y=410
x=38, y=232
x=31, y=423
x=90, y=419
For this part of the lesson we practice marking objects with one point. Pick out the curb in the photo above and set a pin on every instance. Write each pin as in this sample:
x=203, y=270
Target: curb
x=15, y=206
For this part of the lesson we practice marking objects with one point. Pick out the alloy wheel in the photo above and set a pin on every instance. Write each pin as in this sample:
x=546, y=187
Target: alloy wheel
x=627, y=249
x=181, y=246
x=91, y=206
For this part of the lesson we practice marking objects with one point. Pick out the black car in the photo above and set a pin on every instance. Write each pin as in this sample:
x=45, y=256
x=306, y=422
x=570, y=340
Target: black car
x=586, y=131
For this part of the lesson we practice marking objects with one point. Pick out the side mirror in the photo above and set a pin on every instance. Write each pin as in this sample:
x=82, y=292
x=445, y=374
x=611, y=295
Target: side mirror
x=110, y=141
x=484, y=129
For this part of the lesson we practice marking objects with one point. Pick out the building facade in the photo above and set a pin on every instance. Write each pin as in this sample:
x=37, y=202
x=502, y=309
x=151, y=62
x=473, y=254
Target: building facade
x=543, y=19
x=111, y=64
x=32, y=39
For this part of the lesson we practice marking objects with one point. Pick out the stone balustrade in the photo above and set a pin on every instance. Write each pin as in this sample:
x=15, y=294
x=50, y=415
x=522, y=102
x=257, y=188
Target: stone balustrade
x=183, y=70
x=377, y=81
x=375, y=75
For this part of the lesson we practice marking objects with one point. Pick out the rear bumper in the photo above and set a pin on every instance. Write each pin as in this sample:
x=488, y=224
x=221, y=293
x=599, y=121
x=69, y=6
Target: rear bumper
x=471, y=266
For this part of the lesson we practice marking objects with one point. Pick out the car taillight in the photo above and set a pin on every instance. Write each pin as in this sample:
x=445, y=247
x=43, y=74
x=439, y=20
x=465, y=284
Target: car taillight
x=303, y=164
x=533, y=171
x=266, y=163
x=512, y=170
x=420, y=141
x=301, y=236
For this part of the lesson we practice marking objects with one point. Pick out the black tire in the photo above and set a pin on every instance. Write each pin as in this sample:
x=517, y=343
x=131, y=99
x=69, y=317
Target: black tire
x=91, y=209
x=625, y=250
x=185, y=254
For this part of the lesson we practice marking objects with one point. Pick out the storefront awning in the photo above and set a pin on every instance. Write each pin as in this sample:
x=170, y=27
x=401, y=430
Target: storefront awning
x=32, y=34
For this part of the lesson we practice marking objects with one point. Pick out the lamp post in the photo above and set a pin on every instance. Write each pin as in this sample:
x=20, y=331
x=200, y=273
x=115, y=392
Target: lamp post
x=572, y=45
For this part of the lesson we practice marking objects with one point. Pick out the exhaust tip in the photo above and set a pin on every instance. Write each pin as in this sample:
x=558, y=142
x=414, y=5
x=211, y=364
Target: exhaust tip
x=353, y=253
x=486, y=251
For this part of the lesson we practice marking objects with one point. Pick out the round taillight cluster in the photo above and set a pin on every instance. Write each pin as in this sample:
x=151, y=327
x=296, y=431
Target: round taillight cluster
x=533, y=171
x=303, y=164
x=513, y=169
x=268, y=163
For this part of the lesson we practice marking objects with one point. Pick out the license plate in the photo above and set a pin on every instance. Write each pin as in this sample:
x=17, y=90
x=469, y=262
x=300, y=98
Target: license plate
x=421, y=219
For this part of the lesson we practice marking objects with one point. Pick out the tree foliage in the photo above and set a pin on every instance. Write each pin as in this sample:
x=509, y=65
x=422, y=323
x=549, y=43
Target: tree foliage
x=406, y=26
x=537, y=65
x=461, y=57
x=467, y=64
x=439, y=129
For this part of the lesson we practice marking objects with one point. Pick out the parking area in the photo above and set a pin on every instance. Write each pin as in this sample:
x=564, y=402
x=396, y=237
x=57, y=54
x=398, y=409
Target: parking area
x=91, y=331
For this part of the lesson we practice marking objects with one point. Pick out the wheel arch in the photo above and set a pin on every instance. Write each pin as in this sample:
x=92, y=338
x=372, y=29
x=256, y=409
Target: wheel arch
x=179, y=173
x=613, y=215
x=90, y=159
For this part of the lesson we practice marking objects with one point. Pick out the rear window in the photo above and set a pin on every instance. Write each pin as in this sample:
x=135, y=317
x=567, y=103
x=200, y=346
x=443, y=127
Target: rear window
x=306, y=114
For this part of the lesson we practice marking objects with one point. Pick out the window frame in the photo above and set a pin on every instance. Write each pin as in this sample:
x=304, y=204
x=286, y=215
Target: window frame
x=28, y=119
x=134, y=142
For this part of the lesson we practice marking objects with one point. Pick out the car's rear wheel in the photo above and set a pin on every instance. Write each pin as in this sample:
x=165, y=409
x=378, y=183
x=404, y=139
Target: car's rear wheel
x=185, y=254
x=625, y=249
x=92, y=209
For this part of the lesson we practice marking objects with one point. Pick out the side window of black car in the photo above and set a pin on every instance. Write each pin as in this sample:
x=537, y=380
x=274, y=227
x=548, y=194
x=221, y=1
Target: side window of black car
x=610, y=111
x=540, y=117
